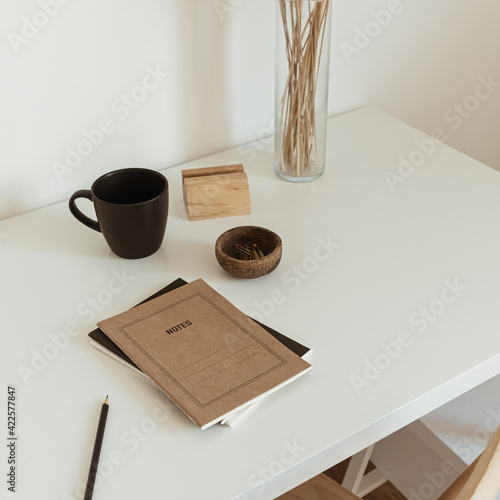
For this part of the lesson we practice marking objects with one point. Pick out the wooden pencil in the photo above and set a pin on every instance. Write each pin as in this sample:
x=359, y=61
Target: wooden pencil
x=89, y=490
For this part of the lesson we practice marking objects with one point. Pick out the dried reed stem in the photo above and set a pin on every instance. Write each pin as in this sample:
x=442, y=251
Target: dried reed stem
x=304, y=23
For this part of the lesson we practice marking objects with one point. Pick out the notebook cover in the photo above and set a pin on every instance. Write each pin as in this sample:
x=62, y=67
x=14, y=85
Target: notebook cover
x=100, y=337
x=203, y=352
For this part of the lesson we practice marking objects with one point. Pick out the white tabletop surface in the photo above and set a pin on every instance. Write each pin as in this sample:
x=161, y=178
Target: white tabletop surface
x=394, y=252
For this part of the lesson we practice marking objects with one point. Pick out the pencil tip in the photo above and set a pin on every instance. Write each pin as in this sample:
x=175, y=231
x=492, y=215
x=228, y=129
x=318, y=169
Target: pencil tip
x=106, y=400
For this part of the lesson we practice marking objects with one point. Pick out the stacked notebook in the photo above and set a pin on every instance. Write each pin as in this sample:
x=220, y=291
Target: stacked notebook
x=208, y=357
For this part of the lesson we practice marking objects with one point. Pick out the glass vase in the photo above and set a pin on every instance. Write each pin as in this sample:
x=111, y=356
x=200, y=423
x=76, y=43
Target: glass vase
x=303, y=29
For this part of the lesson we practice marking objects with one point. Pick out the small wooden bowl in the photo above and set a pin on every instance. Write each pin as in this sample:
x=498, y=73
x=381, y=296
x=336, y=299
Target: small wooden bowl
x=227, y=256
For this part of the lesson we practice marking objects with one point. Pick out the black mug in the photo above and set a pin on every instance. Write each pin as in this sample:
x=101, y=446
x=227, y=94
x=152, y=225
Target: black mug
x=131, y=205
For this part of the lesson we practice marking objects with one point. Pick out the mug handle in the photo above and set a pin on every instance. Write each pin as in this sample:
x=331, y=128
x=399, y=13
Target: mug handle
x=83, y=193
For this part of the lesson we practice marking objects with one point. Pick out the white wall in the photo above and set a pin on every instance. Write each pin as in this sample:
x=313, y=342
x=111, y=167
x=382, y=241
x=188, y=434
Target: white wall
x=70, y=74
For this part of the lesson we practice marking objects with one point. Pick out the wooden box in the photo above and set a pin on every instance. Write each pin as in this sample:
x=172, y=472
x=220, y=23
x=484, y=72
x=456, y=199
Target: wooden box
x=214, y=192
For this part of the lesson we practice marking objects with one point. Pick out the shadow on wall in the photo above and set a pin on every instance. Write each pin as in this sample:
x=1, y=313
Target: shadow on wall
x=204, y=116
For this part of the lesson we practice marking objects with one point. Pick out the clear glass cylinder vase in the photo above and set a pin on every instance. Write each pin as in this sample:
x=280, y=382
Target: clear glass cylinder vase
x=303, y=29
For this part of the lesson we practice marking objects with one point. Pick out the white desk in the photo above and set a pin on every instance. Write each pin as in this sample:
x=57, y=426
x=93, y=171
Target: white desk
x=396, y=251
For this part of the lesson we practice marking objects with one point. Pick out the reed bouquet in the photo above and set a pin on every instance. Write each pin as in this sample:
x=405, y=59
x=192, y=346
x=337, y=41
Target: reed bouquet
x=304, y=23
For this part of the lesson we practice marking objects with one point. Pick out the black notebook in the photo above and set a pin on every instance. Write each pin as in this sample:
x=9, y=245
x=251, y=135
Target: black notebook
x=100, y=340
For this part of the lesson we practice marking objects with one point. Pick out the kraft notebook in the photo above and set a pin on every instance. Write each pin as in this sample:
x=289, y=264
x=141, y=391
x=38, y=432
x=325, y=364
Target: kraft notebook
x=99, y=340
x=203, y=352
